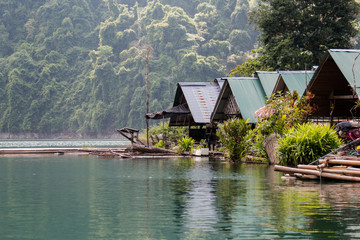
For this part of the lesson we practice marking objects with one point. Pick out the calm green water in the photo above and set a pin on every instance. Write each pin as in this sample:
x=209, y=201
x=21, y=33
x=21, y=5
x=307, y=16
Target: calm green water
x=72, y=197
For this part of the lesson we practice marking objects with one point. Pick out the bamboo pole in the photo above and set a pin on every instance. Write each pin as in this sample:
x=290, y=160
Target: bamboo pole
x=344, y=171
x=334, y=157
x=315, y=167
x=342, y=162
x=304, y=176
x=311, y=167
x=352, y=168
x=316, y=173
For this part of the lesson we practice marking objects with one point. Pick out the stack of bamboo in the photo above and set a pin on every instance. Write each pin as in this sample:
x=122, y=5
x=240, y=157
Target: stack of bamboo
x=345, y=168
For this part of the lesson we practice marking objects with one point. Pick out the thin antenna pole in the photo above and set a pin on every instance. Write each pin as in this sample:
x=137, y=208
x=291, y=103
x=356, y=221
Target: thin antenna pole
x=354, y=90
x=147, y=56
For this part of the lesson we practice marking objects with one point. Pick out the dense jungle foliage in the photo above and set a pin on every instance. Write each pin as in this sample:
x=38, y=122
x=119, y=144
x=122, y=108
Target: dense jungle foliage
x=78, y=66
x=296, y=33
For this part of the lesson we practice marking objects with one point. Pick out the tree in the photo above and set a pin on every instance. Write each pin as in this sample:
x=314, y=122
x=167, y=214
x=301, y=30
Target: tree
x=298, y=32
x=253, y=63
x=75, y=67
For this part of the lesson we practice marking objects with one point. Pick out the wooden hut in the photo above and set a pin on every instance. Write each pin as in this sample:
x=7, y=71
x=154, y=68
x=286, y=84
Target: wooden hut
x=336, y=85
x=193, y=104
x=239, y=97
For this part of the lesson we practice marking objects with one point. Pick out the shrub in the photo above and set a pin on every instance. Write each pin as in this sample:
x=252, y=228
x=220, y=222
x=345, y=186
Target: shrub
x=160, y=144
x=172, y=133
x=285, y=110
x=305, y=143
x=282, y=112
x=256, y=139
x=232, y=134
x=202, y=144
x=186, y=144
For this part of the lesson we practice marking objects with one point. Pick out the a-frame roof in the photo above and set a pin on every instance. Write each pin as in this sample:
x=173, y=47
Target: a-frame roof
x=348, y=62
x=268, y=80
x=334, y=83
x=200, y=98
x=293, y=80
x=249, y=96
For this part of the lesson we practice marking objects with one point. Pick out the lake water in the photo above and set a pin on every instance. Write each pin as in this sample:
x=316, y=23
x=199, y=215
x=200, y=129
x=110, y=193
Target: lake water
x=85, y=197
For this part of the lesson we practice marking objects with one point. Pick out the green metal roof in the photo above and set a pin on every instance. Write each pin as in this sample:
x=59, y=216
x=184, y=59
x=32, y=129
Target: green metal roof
x=348, y=61
x=296, y=80
x=249, y=95
x=268, y=80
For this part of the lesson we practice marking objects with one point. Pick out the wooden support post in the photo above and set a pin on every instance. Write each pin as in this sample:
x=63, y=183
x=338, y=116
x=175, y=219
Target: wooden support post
x=163, y=129
x=332, y=109
x=189, y=125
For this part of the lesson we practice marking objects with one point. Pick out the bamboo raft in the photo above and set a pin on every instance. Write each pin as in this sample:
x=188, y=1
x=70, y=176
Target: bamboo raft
x=345, y=168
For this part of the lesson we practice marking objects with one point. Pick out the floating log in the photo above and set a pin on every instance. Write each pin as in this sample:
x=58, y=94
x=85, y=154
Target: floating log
x=316, y=173
x=353, y=168
x=288, y=177
x=338, y=167
x=341, y=162
x=315, y=167
x=344, y=171
x=123, y=155
x=323, y=165
x=145, y=149
x=312, y=167
x=305, y=176
x=107, y=154
x=296, y=170
x=335, y=157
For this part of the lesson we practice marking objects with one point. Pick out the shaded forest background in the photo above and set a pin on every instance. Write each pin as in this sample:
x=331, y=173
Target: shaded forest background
x=77, y=66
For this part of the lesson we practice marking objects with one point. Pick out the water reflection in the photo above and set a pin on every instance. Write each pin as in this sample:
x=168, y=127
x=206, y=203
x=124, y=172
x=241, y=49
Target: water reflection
x=199, y=212
x=327, y=208
x=69, y=197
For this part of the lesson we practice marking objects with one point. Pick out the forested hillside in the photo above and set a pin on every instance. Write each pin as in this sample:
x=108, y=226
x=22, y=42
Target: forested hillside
x=77, y=66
